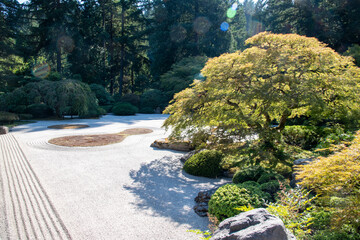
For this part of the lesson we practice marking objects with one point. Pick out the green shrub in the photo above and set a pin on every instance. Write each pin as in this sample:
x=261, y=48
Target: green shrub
x=54, y=76
x=205, y=164
x=56, y=95
x=6, y=117
x=20, y=109
x=333, y=136
x=131, y=98
x=124, y=109
x=101, y=94
x=269, y=176
x=226, y=199
x=39, y=110
x=306, y=137
x=271, y=187
x=25, y=116
x=293, y=207
x=321, y=219
x=107, y=108
x=153, y=98
x=255, y=188
x=94, y=112
x=146, y=110
x=252, y=173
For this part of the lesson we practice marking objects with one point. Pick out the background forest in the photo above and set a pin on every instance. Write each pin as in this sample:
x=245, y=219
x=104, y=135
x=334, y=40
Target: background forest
x=141, y=51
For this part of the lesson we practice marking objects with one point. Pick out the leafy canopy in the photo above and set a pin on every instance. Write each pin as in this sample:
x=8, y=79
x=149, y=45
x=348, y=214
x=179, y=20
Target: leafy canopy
x=279, y=76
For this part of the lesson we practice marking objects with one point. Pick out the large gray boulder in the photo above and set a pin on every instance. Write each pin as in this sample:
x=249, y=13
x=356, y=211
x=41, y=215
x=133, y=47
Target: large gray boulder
x=257, y=224
x=4, y=130
x=184, y=146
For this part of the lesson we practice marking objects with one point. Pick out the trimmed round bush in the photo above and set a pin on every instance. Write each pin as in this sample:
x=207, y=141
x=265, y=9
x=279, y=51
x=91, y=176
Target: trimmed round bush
x=205, y=164
x=252, y=173
x=124, y=109
x=39, y=110
x=6, y=117
x=255, y=188
x=226, y=199
x=305, y=137
x=131, y=98
x=101, y=94
x=270, y=176
x=25, y=116
x=271, y=187
x=107, y=108
x=153, y=98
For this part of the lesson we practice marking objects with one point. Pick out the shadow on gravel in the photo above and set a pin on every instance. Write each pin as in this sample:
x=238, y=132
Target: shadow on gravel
x=163, y=189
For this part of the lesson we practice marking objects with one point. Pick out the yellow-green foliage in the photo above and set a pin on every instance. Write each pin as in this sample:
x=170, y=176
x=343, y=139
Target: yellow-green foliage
x=336, y=174
x=279, y=76
x=293, y=208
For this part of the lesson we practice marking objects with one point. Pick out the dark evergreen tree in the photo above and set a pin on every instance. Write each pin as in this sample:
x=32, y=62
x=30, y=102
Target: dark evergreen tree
x=186, y=28
x=9, y=10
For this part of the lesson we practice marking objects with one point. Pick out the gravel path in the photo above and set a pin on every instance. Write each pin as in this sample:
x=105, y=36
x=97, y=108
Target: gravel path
x=124, y=191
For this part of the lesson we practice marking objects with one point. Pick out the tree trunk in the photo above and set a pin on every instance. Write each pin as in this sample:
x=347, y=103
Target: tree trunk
x=58, y=59
x=122, y=49
x=58, y=47
x=111, y=52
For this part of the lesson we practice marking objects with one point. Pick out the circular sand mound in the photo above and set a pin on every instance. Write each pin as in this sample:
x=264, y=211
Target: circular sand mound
x=97, y=140
x=68, y=126
x=136, y=131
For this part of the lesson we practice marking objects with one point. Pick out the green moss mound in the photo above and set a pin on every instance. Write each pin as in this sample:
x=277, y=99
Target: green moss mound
x=124, y=109
x=205, y=164
x=227, y=198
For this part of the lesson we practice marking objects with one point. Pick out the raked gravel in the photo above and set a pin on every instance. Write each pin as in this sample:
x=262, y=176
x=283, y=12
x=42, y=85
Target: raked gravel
x=120, y=191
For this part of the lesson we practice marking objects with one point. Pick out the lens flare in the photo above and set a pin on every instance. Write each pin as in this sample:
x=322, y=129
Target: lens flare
x=178, y=33
x=41, y=70
x=234, y=6
x=231, y=13
x=224, y=26
x=201, y=25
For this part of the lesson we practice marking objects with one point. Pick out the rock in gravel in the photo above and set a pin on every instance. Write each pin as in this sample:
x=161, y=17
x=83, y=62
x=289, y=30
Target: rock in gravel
x=257, y=224
x=303, y=161
x=184, y=146
x=186, y=156
x=299, y=162
x=202, y=202
x=4, y=130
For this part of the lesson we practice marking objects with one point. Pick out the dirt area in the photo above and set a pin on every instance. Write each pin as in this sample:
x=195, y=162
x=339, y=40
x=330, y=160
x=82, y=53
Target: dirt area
x=97, y=140
x=68, y=126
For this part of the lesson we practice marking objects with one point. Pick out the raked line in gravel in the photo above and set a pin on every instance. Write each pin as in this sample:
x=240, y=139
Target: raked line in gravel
x=27, y=210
